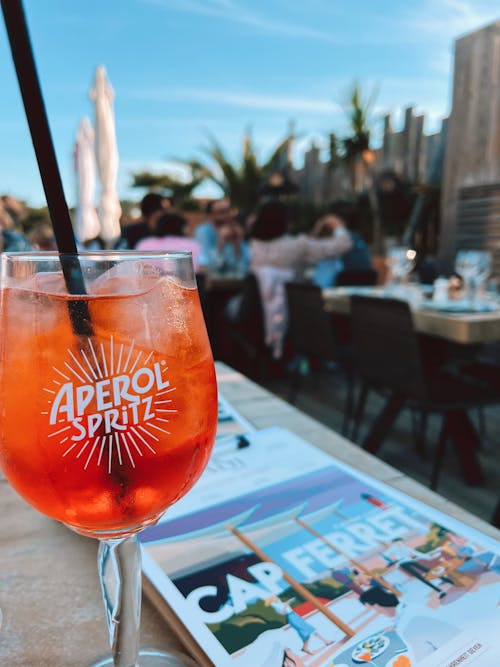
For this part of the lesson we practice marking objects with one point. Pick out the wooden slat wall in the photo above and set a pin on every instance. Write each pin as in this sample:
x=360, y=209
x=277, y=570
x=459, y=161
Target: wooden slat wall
x=478, y=221
x=472, y=156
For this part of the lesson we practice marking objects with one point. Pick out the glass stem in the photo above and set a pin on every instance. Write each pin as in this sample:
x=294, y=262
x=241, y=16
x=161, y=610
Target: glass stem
x=119, y=564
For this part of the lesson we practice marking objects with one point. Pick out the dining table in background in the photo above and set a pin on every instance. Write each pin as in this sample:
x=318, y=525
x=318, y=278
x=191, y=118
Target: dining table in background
x=443, y=336
x=464, y=328
x=53, y=614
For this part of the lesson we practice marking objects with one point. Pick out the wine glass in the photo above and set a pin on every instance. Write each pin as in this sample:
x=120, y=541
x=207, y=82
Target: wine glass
x=109, y=403
x=474, y=267
x=400, y=263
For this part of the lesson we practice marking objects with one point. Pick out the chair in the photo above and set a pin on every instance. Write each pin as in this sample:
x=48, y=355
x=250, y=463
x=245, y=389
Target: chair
x=387, y=358
x=355, y=277
x=312, y=340
x=244, y=323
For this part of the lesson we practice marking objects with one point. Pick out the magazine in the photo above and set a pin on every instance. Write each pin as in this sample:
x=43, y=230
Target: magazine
x=230, y=422
x=282, y=556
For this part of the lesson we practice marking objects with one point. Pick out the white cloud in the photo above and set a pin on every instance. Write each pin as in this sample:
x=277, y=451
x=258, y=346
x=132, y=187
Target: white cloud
x=236, y=13
x=247, y=100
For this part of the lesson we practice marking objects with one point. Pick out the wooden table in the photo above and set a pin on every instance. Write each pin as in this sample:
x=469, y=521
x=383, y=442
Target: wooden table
x=49, y=591
x=464, y=328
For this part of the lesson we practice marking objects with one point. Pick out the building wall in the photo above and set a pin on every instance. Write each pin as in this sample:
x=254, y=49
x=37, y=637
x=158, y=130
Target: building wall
x=409, y=152
x=472, y=156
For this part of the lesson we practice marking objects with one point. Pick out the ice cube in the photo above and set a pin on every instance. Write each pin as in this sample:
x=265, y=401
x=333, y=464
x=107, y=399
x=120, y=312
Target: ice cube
x=128, y=278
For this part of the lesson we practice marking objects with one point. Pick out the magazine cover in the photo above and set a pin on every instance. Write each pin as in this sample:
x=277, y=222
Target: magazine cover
x=283, y=557
x=229, y=422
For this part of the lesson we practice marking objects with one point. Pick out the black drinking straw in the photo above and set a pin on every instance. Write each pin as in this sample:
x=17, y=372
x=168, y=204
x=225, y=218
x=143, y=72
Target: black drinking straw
x=34, y=106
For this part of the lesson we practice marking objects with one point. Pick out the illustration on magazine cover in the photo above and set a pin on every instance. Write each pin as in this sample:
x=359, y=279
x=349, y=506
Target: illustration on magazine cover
x=325, y=569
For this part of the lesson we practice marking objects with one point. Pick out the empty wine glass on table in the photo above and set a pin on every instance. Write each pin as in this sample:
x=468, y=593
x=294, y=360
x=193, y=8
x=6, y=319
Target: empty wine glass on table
x=474, y=267
x=400, y=262
x=109, y=404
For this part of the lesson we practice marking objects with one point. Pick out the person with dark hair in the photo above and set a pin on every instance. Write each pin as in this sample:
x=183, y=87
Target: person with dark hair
x=168, y=234
x=152, y=205
x=357, y=258
x=384, y=601
x=271, y=245
x=41, y=236
x=277, y=257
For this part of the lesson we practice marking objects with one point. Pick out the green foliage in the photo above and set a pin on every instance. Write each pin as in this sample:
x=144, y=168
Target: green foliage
x=179, y=191
x=33, y=217
x=358, y=109
x=242, y=180
x=327, y=588
x=242, y=628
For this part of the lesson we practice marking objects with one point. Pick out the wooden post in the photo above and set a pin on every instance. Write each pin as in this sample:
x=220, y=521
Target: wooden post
x=295, y=584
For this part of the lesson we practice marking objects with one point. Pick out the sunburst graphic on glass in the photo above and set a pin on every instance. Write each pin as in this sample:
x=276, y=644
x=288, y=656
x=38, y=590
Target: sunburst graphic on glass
x=126, y=427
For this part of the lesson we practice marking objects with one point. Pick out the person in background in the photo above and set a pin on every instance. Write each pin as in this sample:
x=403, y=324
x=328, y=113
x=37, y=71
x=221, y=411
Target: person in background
x=168, y=234
x=14, y=242
x=272, y=245
x=11, y=241
x=42, y=237
x=223, y=249
x=357, y=258
x=231, y=256
x=152, y=205
x=276, y=257
x=218, y=213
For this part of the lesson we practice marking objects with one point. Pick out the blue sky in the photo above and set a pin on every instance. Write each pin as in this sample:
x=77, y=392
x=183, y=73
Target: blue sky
x=183, y=68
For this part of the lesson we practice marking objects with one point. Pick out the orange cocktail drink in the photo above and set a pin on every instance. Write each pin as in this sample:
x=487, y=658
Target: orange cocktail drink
x=103, y=432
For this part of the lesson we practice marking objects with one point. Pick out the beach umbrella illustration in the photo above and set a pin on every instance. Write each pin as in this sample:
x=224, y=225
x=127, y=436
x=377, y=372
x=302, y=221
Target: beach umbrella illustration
x=213, y=530
x=106, y=150
x=87, y=225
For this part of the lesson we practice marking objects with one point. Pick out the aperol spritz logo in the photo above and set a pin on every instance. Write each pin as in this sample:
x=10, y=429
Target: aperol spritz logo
x=109, y=404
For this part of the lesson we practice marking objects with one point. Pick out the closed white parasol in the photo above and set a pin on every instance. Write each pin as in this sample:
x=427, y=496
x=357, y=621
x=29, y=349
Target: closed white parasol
x=87, y=225
x=106, y=150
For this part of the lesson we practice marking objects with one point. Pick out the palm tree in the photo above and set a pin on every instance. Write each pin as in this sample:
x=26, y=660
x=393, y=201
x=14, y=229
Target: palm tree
x=358, y=108
x=179, y=191
x=358, y=154
x=241, y=181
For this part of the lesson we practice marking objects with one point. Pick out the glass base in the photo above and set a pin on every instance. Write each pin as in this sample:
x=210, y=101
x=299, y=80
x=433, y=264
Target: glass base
x=150, y=657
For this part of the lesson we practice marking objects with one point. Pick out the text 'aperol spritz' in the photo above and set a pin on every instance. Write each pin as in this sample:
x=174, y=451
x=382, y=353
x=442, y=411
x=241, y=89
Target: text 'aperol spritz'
x=103, y=432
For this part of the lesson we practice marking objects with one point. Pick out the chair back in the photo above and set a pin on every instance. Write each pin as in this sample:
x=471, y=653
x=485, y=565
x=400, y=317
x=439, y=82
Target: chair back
x=309, y=327
x=385, y=346
x=245, y=319
x=356, y=277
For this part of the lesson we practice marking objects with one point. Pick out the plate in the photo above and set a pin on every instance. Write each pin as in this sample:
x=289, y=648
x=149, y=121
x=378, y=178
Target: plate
x=370, y=648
